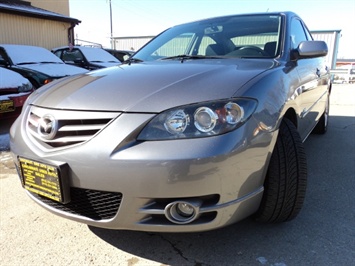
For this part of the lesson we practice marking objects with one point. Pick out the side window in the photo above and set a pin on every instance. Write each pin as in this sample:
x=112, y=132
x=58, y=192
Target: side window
x=205, y=44
x=3, y=60
x=298, y=33
x=309, y=35
x=72, y=56
x=58, y=53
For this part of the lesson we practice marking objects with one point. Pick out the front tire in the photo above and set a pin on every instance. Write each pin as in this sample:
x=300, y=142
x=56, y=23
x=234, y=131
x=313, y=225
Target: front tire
x=286, y=180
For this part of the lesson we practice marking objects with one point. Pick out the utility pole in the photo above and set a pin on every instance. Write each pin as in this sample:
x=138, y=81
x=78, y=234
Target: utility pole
x=111, y=38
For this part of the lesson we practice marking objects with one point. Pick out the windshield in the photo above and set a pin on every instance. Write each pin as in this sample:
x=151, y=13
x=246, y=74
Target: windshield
x=254, y=36
x=98, y=55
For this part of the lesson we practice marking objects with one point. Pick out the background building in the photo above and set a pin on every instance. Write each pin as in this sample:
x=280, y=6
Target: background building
x=345, y=71
x=40, y=23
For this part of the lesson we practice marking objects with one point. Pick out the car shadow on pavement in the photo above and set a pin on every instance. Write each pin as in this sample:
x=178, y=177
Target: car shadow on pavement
x=225, y=246
x=322, y=234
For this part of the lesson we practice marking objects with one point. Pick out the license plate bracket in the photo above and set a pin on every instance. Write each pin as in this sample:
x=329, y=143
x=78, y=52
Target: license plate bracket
x=48, y=180
x=7, y=106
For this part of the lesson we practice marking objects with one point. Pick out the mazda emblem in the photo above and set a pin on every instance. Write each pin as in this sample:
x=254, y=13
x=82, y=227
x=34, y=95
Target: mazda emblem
x=47, y=127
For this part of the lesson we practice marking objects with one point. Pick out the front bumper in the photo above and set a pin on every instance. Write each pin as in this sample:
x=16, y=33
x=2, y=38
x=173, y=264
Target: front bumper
x=139, y=179
x=11, y=107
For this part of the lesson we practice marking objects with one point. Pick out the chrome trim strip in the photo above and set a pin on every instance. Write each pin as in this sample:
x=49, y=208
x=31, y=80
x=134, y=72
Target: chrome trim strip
x=147, y=210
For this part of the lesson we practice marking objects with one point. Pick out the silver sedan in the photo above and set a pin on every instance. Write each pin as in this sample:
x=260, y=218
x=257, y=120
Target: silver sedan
x=202, y=127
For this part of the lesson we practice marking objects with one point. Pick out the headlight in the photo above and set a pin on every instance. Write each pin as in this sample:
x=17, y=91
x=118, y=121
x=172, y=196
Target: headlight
x=25, y=87
x=199, y=120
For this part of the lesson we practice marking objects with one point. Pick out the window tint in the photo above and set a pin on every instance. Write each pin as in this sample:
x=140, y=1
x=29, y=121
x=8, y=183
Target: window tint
x=72, y=56
x=205, y=44
x=176, y=46
x=230, y=37
x=58, y=53
x=2, y=55
x=298, y=33
x=309, y=35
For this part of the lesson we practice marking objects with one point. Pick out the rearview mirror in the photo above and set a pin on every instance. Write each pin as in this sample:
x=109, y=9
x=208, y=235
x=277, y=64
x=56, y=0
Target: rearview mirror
x=213, y=29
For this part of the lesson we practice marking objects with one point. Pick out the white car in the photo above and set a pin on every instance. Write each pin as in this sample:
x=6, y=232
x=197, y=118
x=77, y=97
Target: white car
x=37, y=64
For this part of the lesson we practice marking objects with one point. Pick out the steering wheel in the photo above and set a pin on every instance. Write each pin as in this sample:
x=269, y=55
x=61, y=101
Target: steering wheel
x=253, y=49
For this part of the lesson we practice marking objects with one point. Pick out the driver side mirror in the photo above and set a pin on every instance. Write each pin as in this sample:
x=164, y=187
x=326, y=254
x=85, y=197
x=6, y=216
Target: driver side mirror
x=309, y=49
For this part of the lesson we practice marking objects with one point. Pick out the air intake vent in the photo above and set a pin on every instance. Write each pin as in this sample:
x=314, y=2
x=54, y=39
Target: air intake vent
x=59, y=128
x=93, y=204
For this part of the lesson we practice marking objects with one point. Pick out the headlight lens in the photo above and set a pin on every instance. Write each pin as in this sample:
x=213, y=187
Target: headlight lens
x=205, y=119
x=177, y=122
x=25, y=87
x=199, y=120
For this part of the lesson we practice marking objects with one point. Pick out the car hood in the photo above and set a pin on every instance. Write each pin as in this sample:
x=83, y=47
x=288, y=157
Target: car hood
x=151, y=86
x=105, y=64
x=12, y=81
x=54, y=70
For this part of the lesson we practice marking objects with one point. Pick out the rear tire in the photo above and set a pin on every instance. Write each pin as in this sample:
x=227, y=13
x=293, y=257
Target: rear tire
x=286, y=180
x=322, y=125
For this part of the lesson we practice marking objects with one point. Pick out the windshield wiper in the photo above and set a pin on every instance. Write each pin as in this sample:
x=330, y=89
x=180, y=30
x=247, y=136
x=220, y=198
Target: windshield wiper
x=183, y=57
x=50, y=62
x=132, y=60
x=43, y=62
x=27, y=63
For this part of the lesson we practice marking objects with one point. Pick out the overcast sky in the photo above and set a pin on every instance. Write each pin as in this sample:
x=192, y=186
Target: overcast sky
x=150, y=17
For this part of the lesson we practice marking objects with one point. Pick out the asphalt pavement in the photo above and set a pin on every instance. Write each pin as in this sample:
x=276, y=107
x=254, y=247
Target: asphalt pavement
x=323, y=233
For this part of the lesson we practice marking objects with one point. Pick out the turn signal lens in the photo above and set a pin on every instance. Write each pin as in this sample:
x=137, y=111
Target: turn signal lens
x=177, y=122
x=46, y=81
x=234, y=113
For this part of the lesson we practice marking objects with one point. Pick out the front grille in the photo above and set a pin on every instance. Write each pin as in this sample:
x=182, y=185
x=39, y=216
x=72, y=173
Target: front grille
x=93, y=204
x=60, y=128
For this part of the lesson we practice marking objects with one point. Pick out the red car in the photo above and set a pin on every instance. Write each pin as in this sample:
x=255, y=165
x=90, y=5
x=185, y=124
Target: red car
x=14, y=90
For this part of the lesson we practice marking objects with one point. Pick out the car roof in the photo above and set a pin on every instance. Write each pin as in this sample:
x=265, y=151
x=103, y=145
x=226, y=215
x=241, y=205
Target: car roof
x=19, y=53
x=76, y=47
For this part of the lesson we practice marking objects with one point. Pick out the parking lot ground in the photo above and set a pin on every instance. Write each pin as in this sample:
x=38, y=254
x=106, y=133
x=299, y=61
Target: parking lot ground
x=323, y=233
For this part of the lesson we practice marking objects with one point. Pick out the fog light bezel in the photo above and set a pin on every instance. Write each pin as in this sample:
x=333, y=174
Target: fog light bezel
x=173, y=213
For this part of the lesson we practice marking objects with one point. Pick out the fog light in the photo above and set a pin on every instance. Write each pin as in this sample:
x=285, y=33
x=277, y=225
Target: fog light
x=185, y=209
x=183, y=212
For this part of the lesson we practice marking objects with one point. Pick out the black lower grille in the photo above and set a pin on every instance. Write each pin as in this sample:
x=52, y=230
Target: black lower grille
x=94, y=204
